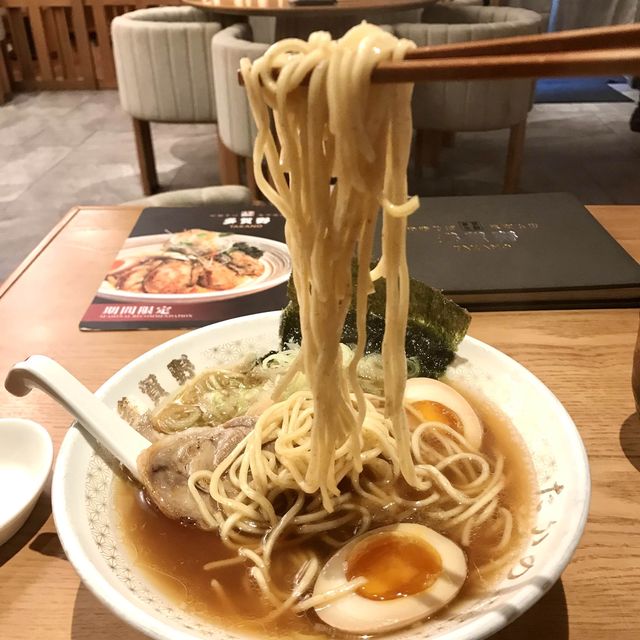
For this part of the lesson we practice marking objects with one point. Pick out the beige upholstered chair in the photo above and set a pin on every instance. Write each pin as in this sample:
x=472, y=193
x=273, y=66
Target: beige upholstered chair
x=440, y=109
x=5, y=84
x=543, y=7
x=236, y=128
x=388, y=16
x=163, y=65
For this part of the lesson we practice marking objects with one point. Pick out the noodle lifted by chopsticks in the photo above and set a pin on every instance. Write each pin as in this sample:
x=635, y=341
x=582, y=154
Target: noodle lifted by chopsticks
x=282, y=484
x=342, y=127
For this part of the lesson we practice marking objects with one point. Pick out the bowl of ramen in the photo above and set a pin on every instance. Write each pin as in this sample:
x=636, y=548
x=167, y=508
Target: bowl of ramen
x=195, y=265
x=353, y=466
x=157, y=574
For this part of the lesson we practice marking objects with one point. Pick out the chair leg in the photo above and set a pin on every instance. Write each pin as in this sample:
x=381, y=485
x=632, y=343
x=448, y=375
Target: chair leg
x=429, y=146
x=146, y=157
x=229, y=164
x=515, y=153
x=419, y=149
x=5, y=82
x=449, y=138
x=251, y=180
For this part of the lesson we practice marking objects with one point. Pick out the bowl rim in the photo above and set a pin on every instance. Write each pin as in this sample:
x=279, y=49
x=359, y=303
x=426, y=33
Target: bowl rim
x=485, y=624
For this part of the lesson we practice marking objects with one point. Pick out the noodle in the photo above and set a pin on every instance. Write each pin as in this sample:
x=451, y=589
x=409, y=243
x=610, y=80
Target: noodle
x=327, y=226
x=326, y=459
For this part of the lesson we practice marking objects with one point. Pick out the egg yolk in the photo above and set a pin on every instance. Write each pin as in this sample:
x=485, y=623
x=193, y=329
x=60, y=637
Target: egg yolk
x=394, y=566
x=430, y=410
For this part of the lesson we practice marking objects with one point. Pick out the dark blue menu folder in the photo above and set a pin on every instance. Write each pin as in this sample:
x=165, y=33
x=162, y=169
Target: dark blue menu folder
x=520, y=251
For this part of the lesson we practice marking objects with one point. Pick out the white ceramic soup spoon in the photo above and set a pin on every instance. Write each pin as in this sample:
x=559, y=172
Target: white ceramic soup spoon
x=106, y=426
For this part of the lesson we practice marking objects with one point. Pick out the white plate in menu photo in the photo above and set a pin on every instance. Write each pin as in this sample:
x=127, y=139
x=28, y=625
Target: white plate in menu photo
x=274, y=268
x=88, y=525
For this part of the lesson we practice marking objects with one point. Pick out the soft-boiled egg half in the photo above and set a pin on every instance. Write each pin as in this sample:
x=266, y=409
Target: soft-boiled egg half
x=411, y=571
x=428, y=399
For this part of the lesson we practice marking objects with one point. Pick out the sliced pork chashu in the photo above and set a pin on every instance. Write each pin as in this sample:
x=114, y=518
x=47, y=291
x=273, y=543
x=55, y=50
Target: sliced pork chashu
x=166, y=465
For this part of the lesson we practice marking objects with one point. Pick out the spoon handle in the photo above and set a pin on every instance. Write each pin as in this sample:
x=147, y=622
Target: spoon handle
x=108, y=428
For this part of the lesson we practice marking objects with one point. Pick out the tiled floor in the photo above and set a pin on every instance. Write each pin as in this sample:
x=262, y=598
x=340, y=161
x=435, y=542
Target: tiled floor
x=60, y=149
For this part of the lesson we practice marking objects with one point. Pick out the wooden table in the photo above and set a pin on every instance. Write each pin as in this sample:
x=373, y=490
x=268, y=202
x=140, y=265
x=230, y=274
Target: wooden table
x=283, y=7
x=295, y=21
x=583, y=356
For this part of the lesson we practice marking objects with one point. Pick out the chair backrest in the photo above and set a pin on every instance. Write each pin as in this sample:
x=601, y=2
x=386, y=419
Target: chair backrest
x=592, y=13
x=479, y=105
x=390, y=16
x=543, y=7
x=236, y=127
x=163, y=63
x=204, y=197
x=539, y=6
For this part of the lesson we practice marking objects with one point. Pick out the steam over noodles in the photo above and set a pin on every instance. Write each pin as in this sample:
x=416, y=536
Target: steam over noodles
x=327, y=460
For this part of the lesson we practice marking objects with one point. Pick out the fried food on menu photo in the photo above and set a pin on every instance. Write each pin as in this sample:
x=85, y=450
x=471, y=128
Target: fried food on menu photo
x=192, y=261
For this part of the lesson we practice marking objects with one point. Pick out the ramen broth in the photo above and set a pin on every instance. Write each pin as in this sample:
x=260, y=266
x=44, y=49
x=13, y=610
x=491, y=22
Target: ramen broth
x=172, y=556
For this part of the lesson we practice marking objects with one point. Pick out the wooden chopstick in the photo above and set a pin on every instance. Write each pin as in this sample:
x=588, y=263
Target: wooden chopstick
x=581, y=52
x=615, y=37
x=530, y=65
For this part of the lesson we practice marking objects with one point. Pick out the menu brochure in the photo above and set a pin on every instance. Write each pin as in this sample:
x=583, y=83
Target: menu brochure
x=522, y=251
x=191, y=267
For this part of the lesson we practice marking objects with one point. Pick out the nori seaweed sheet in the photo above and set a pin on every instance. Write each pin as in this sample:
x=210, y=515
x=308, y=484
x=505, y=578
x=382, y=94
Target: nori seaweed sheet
x=435, y=328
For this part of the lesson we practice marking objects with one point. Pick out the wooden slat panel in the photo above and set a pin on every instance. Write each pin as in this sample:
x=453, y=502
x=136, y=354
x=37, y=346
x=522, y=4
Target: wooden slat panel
x=51, y=38
x=52, y=41
x=129, y=6
x=55, y=85
x=64, y=41
x=82, y=43
x=5, y=83
x=36, y=3
x=138, y=4
x=105, y=50
x=107, y=84
x=21, y=47
x=40, y=41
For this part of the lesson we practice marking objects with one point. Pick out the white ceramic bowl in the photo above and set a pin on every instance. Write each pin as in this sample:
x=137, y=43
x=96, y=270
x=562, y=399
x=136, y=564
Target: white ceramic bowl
x=26, y=454
x=82, y=484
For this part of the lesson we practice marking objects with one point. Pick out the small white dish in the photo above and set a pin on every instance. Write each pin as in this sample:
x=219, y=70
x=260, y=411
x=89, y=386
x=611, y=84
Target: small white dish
x=26, y=455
